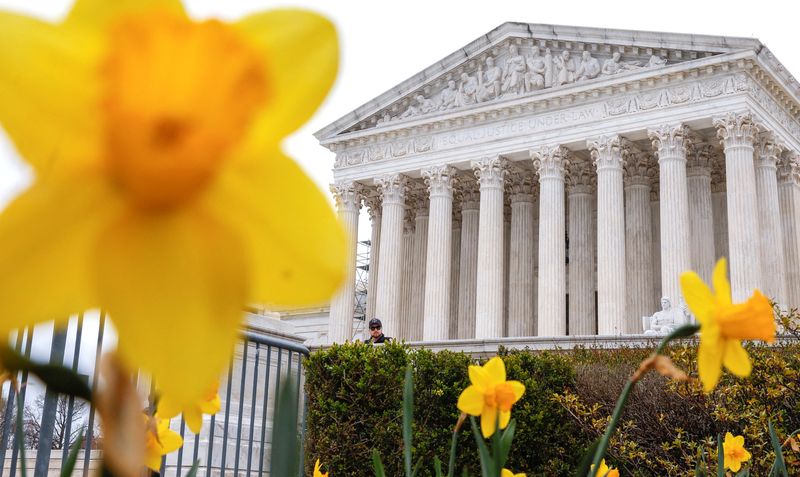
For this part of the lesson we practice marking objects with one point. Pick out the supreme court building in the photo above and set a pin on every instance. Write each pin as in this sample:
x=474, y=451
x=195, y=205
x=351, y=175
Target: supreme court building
x=551, y=180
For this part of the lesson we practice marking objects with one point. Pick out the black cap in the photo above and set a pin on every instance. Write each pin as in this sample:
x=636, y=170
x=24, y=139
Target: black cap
x=375, y=322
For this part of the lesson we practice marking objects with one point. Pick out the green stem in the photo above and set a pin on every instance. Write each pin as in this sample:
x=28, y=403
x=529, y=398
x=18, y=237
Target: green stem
x=682, y=332
x=451, y=463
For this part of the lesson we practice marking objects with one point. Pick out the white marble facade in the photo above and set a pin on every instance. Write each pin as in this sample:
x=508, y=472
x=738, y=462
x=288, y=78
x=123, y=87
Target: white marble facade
x=549, y=180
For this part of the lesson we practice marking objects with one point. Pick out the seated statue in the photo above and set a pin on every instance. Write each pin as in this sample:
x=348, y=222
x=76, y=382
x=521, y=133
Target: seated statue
x=665, y=321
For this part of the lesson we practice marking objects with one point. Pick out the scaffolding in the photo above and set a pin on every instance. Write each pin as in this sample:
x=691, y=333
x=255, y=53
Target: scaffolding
x=362, y=280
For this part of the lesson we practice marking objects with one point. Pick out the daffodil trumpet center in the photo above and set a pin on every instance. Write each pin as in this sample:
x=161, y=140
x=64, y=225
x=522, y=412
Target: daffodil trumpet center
x=752, y=319
x=500, y=396
x=178, y=97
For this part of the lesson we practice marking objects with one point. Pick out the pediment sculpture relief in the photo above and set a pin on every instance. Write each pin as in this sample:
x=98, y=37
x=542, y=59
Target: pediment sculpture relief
x=517, y=73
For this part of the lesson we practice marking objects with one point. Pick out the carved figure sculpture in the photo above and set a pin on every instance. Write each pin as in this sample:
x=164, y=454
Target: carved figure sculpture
x=514, y=74
x=491, y=85
x=467, y=90
x=449, y=97
x=665, y=321
x=656, y=61
x=589, y=67
x=548, y=65
x=613, y=65
x=565, y=67
x=534, y=78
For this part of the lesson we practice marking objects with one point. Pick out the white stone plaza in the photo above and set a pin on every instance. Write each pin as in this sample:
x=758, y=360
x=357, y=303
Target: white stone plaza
x=553, y=180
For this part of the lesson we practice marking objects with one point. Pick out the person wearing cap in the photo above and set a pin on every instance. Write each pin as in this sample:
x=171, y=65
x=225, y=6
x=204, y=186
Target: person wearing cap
x=376, y=332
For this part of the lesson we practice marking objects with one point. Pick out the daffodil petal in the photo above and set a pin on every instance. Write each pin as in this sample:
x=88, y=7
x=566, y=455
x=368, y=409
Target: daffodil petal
x=153, y=460
x=495, y=370
x=518, y=388
x=709, y=362
x=478, y=377
x=471, y=401
x=193, y=418
x=697, y=295
x=47, y=238
x=295, y=244
x=49, y=91
x=505, y=418
x=170, y=441
x=212, y=406
x=174, y=281
x=735, y=465
x=736, y=360
x=722, y=286
x=98, y=14
x=167, y=408
x=488, y=421
x=301, y=55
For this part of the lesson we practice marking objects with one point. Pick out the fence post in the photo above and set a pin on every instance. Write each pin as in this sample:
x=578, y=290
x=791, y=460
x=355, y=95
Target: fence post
x=49, y=410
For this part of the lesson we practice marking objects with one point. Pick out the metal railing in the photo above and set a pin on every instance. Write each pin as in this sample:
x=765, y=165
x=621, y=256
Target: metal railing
x=236, y=441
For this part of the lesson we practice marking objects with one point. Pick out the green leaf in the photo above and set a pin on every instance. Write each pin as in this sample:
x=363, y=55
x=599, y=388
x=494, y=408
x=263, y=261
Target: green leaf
x=505, y=442
x=377, y=465
x=451, y=463
x=720, y=457
x=743, y=473
x=483, y=451
x=417, y=466
x=700, y=469
x=779, y=466
x=437, y=467
x=193, y=471
x=58, y=378
x=285, y=458
x=408, y=417
x=586, y=463
x=72, y=458
x=684, y=331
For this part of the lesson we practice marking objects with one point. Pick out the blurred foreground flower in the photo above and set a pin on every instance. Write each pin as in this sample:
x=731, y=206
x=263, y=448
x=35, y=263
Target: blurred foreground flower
x=508, y=473
x=192, y=412
x=723, y=325
x=605, y=471
x=160, y=440
x=318, y=471
x=161, y=192
x=489, y=395
x=735, y=453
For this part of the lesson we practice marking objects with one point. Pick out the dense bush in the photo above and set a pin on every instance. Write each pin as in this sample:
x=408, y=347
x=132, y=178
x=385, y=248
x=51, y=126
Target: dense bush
x=354, y=395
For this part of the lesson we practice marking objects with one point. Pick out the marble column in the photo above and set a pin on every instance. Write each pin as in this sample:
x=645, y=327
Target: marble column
x=670, y=143
x=789, y=194
x=737, y=133
x=393, y=189
x=418, y=275
x=655, y=233
x=467, y=274
x=506, y=257
x=773, y=266
x=535, y=240
x=489, y=295
x=438, y=267
x=638, y=241
x=348, y=203
x=701, y=217
x=580, y=200
x=373, y=203
x=611, y=298
x=455, y=269
x=521, y=258
x=719, y=206
x=406, y=325
x=550, y=163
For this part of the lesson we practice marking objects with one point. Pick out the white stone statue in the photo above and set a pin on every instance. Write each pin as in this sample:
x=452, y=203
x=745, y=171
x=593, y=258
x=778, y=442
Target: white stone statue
x=656, y=61
x=449, y=97
x=535, y=77
x=589, y=67
x=548, y=69
x=566, y=68
x=467, y=90
x=613, y=65
x=665, y=321
x=514, y=74
x=423, y=106
x=490, y=81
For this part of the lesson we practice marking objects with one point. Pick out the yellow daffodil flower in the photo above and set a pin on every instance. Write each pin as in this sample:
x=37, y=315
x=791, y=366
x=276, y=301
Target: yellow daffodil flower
x=723, y=325
x=508, y=473
x=160, y=440
x=161, y=194
x=605, y=470
x=490, y=394
x=318, y=472
x=192, y=412
x=735, y=453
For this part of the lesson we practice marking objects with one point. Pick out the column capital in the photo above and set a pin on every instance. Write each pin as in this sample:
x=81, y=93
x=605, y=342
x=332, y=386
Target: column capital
x=550, y=162
x=655, y=183
x=468, y=190
x=373, y=203
x=767, y=151
x=581, y=178
x=736, y=130
x=520, y=186
x=393, y=188
x=417, y=200
x=789, y=169
x=638, y=168
x=347, y=195
x=490, y=171
x=606, y=152
x=699, y=158
x=670, y=141
x=440, y=180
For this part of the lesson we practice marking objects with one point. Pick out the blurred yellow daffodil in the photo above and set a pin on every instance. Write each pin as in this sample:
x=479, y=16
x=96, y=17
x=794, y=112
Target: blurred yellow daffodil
x=508, y=473
x=161, y=193
x=723, y=325
x=605, y=470
x=318, y=472
x=160, y=440
x=489, y=395
x=192, y=412
x=735, y=453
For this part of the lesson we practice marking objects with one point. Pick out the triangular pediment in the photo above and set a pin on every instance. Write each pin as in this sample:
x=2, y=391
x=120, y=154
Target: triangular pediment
x=516, y=60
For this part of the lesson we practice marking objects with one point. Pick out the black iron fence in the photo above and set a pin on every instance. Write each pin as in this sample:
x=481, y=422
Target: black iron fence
x=234, y=442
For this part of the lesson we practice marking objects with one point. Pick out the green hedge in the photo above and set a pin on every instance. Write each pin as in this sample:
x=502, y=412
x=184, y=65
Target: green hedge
x=354, y=395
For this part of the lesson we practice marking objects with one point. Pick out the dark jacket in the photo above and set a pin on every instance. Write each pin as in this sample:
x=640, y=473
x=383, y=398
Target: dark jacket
x=381, y=339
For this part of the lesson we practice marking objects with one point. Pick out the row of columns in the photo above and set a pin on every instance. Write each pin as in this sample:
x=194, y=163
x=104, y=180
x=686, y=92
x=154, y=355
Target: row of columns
x=459, y=286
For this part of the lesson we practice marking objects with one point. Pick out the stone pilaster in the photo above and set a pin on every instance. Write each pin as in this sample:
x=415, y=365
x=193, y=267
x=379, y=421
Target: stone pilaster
x=439, y=254
x=789, y=194
x=737, y=132
x=455, y=267
x=638, y=240
x=419, y=264
x=773, y=266
x=521, y=258
x=670, y=143
x=550, y=163
x=348, y=203
x=468, y=272
x=489, y=295
x=581, y=286
x=719, y=205
x=701, y=217
x=373, y=203
x=611, y=298
x=393, y=190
